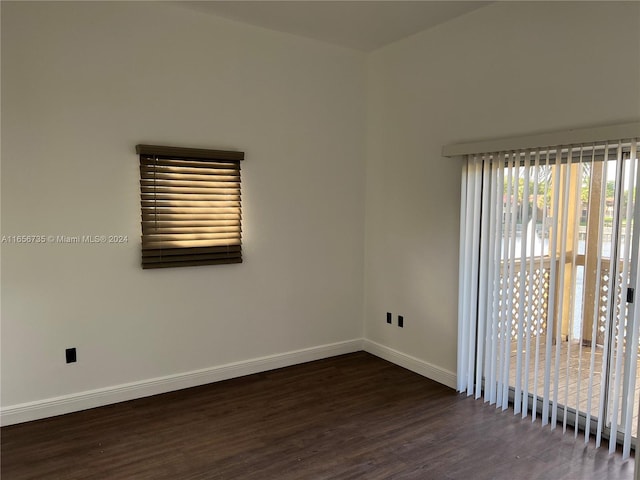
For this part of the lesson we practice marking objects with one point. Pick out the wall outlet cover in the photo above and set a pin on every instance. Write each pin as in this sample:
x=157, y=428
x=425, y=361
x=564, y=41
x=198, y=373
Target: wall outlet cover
x=71, y=356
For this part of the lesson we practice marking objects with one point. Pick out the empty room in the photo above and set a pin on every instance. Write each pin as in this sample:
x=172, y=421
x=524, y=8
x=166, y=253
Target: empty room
x=319, y=240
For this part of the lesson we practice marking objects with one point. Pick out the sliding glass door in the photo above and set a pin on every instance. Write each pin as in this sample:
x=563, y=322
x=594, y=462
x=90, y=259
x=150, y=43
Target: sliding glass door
x=569, y=239
x=550, y=248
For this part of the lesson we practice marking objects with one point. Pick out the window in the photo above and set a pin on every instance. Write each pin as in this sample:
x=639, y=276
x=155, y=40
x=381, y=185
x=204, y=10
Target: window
x=191, y=206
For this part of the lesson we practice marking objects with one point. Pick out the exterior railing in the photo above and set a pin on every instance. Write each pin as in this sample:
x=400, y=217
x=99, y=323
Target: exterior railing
x=535, y=295
x=603, y=301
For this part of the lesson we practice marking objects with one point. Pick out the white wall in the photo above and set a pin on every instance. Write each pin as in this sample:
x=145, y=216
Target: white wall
x=506, y=69
x=82, y=84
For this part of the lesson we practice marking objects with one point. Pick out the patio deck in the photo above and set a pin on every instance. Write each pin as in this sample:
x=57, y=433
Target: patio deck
x=571, y=393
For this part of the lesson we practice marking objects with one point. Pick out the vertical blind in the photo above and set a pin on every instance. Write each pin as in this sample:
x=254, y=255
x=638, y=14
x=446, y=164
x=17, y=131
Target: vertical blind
x=191, y=206
x=548, y=262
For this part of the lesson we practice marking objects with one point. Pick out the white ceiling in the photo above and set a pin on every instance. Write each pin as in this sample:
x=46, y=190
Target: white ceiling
x=362, y=25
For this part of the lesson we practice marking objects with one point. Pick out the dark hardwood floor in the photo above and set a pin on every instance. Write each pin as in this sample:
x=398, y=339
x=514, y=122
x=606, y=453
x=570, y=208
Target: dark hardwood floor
x=349, y=417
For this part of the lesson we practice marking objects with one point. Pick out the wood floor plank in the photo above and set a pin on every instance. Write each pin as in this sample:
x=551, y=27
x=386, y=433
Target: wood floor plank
x=348, y=417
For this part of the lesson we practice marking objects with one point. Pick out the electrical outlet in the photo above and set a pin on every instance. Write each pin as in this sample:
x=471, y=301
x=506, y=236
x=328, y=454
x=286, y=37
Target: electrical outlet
x=400, y=321
x=389, y=317
x=71, y=356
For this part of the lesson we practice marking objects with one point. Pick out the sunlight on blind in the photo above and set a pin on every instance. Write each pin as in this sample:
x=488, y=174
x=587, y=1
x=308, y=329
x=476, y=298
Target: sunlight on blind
x=191, y=206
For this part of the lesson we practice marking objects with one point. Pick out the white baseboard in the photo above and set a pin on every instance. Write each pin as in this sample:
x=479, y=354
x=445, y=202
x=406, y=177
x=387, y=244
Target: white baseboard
x=414, y=364
x=50, y=407
x=26, y=412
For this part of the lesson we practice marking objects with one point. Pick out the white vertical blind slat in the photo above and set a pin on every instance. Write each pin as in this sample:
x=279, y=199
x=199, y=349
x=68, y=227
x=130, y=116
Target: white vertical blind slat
x=485, y=244
x=551, y=316
x=562, y=215
x=467, y=224
x=581, y=300
x=615, y=361
x=596, y=300
x=572, y=292
x=511, y=257
x=507, y=282
x=607, y=316
x=530, y=321
x=490, y=338
x=501, y=290
x=522, y=288
x=499, y=319
x=495, y=341
x=462, y=291
x=545, y=234
x=632, y=327
x=474, y=219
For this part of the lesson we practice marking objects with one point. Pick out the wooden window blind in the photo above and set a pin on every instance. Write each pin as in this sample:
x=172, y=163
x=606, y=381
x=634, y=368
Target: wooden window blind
x=191, y=206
